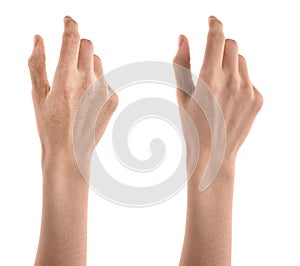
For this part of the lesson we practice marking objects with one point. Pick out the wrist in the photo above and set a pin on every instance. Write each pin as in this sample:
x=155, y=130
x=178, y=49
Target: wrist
x=225, y=173
x=63, y=160
x=62, y=177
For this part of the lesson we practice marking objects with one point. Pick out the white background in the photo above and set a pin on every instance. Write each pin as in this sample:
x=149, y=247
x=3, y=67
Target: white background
x=267, y=199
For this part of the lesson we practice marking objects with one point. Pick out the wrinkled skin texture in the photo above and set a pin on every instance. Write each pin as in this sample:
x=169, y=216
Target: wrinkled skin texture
x=55, y=106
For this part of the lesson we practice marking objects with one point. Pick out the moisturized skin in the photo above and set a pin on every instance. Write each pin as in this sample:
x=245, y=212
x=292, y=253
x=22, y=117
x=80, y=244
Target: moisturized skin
x=209, y=213
x=65, y=193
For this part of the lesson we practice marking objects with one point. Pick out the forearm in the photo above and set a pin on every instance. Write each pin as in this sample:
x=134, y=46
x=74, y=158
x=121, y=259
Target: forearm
x=225, y=79
x=64, y=214
x=209, y=219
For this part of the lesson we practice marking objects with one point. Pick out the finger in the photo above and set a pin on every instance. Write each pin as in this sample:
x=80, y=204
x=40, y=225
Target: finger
x=230, y=57
x=105, y=114
x=86, y=56
x=37, y=68
x=215, y=45
x=243, y=69
x=181, y=63
x=244, y=75
x=98, y=67
x=70, y=44
x=98, y=70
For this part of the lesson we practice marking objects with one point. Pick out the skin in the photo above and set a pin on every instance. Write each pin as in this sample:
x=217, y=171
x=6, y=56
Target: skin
x=65, y=192
x=209, y=213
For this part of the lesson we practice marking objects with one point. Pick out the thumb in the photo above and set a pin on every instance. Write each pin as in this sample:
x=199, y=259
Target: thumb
x=37, y=68
x=182, y=70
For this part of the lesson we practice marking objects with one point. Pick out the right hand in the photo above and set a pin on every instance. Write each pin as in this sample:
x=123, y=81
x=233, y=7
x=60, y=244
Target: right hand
x=226, y=74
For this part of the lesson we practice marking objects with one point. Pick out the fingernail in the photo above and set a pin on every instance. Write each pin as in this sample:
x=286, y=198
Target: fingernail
x=67, y=18
x=180, y=41
x=36, y=41
x=212, y=18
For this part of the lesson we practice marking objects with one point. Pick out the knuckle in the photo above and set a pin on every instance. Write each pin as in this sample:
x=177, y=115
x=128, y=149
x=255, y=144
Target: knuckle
x=233, y=80
x=34, y=95
x=176, y=59
x=208, y=73
x=258, y=100
x=71, y=36
x=182, y=97
x=246, y=86
x=215, y=36
x=210, y=79
x=181, y=63
x=245, y=81
x=113, y=102
x=35, y=61
x=38, y=92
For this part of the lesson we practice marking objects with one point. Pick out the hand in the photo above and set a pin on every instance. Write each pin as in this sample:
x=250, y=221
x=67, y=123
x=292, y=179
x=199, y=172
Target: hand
x=209, y=213
x=55, y=107
x=65, y=192
x=226, y=74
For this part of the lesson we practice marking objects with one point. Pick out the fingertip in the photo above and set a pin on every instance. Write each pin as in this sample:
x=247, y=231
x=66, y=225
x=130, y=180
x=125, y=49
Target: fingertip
x=232, y=44
x=97, y=60
x=70, y=24
x=211, y=18
x=87, y=43
x=35, y=41
x=67, y=18
x=242, y=59
x=182, y=41
x=38, y=46
x=215, y=25
x=242, y=63
x=182, y=56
